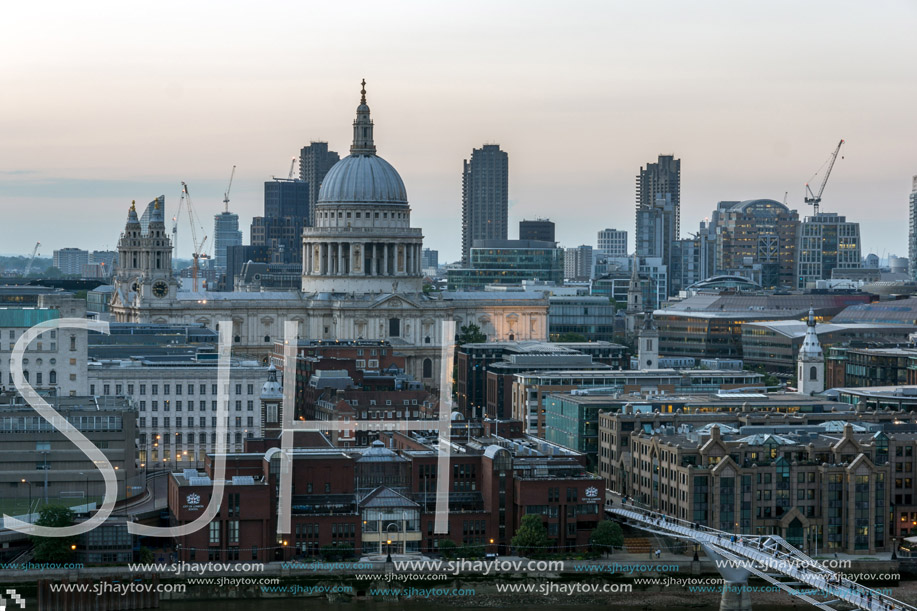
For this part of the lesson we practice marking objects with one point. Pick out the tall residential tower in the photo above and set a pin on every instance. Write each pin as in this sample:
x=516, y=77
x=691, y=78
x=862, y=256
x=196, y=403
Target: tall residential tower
x=658, y=210
x=912, y=233
x=485, y=197
x=314, y=162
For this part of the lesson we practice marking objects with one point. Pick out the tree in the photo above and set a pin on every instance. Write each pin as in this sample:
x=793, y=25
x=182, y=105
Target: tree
x=532, y=537
x=54, y=549
x=470, y=334
x=447, y=548
x=606, y=537
x=570, y=337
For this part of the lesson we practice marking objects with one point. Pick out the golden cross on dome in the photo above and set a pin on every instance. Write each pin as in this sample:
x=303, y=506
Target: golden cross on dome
x=363, y=92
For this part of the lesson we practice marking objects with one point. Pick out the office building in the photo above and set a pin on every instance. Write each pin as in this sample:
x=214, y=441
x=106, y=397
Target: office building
x=693, y=259
x=286, y=212
x=429, y=260
x=70, y=261
x=481, y=386
x=826, y=242
x=538, y=229
x=775, y=344
x=485, y=197
x=508, y=262
x=53, y=469
x=226, y=233
x=237, y=257
x=760, y=232
x=578, y=263
x=531, y=389
x=175, y=398
x=106, y=260
x=592, y=317
x=710, y=326
x=314, y=162
x=612, y=243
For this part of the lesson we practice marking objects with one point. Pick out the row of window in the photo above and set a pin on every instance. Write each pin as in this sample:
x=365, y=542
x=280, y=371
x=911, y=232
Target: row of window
x=167, y=389
x=189, y=423
x=202, y=406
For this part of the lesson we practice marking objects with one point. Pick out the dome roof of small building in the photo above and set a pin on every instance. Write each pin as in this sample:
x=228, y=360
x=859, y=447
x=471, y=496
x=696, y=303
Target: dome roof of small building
x=377, y=452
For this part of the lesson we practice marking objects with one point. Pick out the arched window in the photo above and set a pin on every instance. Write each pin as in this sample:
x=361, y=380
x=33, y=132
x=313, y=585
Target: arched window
x=52, y=377
x=813, y=373
x=428, y=368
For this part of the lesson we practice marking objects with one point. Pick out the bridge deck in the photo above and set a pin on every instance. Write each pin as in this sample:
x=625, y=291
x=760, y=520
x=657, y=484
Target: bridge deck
x=772, y=553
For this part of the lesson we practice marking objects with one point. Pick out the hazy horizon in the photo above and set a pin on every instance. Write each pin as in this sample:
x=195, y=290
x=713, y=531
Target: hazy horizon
x=107, y=103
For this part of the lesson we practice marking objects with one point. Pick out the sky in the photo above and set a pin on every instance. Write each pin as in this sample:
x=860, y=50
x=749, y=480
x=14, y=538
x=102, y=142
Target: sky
x=102, y=103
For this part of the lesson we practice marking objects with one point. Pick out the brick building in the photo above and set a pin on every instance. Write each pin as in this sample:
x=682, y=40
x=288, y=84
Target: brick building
x=381, y=499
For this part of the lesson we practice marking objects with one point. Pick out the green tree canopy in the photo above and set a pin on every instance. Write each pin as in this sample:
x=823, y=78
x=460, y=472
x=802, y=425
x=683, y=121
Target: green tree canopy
x=606, y=537
x=470, y=334
x=447, y=548
x=531, y=538
x=54, y=549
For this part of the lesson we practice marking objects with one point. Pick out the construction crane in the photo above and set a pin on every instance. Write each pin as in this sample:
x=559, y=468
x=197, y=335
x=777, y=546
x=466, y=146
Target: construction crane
x=226, y=194
x=813, y=199
x=181, y=203
x=28, y=267
x=292, y=164
x=198, y=252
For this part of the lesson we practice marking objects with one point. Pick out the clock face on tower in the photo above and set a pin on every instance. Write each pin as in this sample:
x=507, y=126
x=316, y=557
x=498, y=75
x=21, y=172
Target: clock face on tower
x=160, y=289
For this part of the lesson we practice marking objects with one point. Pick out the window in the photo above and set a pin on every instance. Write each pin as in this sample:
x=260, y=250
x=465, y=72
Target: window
x=214, y=532
x=394, y=327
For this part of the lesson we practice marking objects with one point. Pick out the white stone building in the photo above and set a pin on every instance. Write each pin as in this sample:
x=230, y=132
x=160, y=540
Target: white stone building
x=56, y=360
x=176, y=404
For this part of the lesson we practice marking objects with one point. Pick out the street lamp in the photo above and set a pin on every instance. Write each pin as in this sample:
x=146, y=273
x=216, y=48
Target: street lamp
x=87, y=490
x=25, y=481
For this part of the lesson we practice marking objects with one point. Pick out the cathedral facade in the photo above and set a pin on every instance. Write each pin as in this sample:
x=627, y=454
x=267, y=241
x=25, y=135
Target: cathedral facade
x=361, y=276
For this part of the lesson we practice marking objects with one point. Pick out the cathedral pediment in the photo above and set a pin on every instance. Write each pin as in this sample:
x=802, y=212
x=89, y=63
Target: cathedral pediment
x=394, y=301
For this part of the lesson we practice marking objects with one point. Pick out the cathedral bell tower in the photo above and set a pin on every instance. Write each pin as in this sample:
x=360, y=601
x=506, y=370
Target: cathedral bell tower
x=144, y=273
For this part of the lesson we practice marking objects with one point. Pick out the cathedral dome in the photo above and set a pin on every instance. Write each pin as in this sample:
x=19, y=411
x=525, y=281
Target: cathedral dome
x=362, y=179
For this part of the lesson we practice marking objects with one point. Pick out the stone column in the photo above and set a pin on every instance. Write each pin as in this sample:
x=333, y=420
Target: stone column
x=372, y=259
x=385, y=259
x=341, y=263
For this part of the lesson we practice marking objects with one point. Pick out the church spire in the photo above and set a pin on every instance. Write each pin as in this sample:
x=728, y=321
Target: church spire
x=363, y=128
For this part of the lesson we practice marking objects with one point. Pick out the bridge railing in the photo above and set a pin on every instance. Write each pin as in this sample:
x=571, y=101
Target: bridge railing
x=774, y=558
